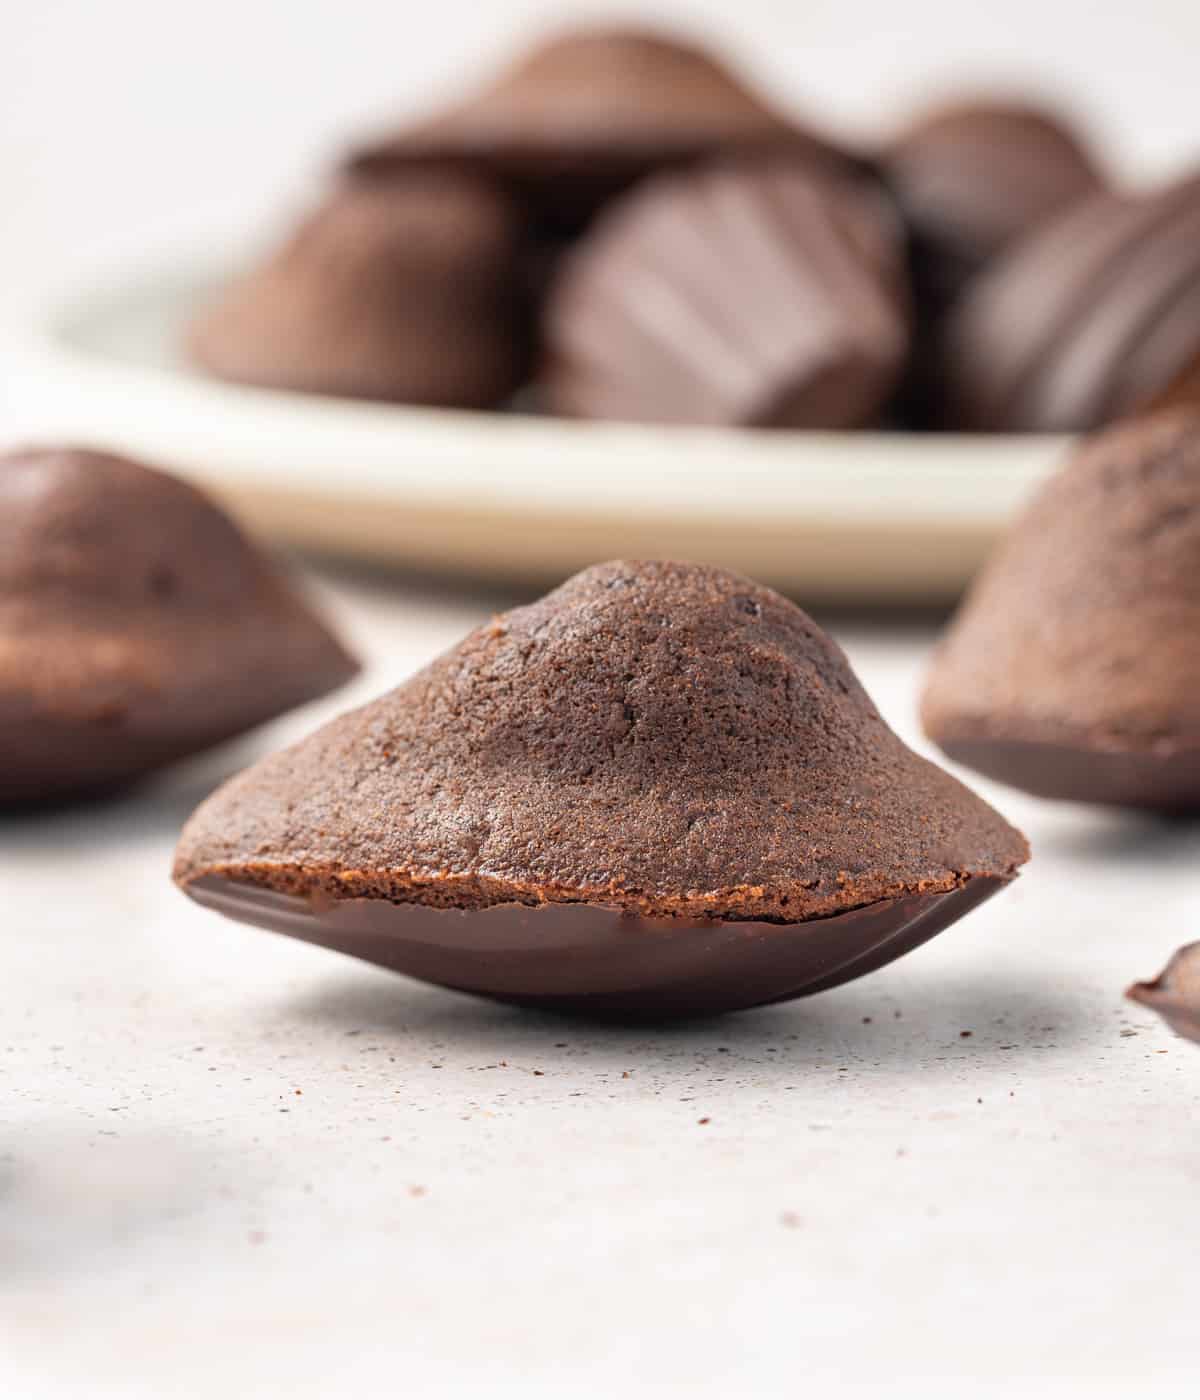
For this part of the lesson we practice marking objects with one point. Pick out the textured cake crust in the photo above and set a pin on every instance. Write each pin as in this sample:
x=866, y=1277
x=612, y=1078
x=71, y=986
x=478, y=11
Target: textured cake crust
x=661, y=738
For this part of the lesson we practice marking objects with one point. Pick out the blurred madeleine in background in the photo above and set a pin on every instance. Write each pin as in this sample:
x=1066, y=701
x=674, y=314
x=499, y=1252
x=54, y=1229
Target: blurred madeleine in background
x=653, y=214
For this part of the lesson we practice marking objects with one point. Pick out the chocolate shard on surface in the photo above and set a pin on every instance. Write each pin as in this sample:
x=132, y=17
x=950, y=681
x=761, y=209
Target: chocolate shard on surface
x=1175, y=992
x=584, y=115
x=1094, y=317
x=409, y=291
x=660, y=790
x=973, y=177
x=748, y=293
x=137, y=626
x=1073, y=667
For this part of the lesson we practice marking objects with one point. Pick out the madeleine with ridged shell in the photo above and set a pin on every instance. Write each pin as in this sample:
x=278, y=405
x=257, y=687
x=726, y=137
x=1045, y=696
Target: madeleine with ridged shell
x=1092, y=318
x=752, y=293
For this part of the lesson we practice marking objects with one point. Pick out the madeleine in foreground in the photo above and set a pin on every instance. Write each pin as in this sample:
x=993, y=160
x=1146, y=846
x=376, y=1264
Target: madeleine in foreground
x=658, y=791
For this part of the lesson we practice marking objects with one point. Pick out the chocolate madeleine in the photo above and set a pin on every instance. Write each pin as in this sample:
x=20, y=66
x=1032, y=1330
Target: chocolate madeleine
x=1073, y=667
x=582, y=116
x=409, y=291
x=137, y=626
x=974, y=177
x=658, y=791
x=1175, y=992
x=1094, y=317
x=753, y=293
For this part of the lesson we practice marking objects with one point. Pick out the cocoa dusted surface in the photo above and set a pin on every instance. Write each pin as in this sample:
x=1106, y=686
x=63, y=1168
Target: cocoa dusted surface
x=581, y=116
x=1073, y=666
x=407, y=291
x=664, y=739
x=752, y=292
x=137, y=625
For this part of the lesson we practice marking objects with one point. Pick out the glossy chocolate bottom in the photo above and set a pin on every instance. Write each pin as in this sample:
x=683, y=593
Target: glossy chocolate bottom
x=1161, y=782
x=595, y=960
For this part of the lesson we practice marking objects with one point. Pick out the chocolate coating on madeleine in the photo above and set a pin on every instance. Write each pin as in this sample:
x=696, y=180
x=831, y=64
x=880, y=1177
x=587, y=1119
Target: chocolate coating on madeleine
x=973, y=177
x=663, y=740
x=1073, y=666
x=410, y=291
x=752, y=293
x=582, y=116
x=598, y=961
x=1094, y=317
x=137, y=625
x=1175, y=992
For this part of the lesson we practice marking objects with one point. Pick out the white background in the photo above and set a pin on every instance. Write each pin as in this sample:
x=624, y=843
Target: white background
x=134, y=126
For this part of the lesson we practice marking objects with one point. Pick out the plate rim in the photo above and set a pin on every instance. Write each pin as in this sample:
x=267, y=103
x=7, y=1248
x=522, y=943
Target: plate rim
x=276, y=440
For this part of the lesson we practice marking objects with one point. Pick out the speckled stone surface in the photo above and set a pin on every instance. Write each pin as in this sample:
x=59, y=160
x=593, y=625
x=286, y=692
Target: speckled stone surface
x=235, y=1164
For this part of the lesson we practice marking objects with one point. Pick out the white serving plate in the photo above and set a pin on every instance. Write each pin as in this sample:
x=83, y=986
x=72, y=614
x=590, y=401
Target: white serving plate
x=846, y=516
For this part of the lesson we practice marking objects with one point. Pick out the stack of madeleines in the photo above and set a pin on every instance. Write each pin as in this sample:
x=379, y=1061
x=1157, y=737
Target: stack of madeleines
x=621, y=226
